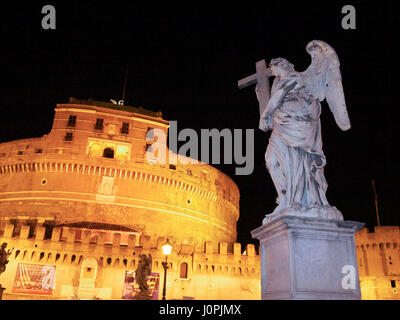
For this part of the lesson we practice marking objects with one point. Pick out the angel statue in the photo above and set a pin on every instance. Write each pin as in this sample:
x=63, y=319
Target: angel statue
x=4, y=256
x=143, y=270
x=291, y=110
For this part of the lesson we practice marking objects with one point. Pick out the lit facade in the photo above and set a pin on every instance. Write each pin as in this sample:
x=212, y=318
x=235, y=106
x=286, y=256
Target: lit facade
x=85, y=199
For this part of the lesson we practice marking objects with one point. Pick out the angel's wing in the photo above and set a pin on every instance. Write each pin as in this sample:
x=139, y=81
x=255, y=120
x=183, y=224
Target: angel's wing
x=323, y=80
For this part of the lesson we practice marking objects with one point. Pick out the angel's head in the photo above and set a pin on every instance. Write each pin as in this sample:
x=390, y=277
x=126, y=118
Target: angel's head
x=280, y=67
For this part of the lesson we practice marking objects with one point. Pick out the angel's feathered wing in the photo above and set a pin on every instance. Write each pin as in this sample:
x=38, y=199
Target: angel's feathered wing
x=324, y=80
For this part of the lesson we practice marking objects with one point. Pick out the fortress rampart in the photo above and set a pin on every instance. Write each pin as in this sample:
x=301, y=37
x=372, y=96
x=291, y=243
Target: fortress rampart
x=218, y=271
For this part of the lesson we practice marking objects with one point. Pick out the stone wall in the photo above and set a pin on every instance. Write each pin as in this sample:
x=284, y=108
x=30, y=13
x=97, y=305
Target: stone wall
x=217, y=271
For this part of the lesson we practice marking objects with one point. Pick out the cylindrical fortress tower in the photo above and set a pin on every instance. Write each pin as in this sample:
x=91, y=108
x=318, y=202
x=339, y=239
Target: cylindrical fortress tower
x=92, y=168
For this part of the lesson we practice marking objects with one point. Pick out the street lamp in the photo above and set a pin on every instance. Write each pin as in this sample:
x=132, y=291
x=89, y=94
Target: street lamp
x=166, y=248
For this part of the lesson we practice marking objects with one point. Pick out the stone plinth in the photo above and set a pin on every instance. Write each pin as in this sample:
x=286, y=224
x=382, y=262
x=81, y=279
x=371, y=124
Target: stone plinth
x=303, y=258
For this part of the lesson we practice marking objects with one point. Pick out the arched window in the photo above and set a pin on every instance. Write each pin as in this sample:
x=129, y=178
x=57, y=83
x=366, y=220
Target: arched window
x=108, y=153
x=184, y=270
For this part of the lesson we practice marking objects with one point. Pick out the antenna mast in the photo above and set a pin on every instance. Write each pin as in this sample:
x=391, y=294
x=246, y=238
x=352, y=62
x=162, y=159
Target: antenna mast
x=123, y=92
x=376, y=202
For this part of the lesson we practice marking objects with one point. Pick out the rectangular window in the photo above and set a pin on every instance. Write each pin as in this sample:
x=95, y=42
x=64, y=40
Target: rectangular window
x=68, y=136
x=393, y=283
x=172, y=167
x=99, y=124
x=71, y=121
x=189, y=172
x=20, y=153
x=148, y=147
x=38, y=150
x=125, y=128
x=150, y=134
x=2, y=155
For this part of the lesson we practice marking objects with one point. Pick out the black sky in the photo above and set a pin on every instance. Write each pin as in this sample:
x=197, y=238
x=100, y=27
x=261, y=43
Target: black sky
x=185, y=60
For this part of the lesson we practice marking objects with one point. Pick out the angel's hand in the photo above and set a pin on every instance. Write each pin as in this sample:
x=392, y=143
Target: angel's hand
x=257, y=90
x=264, y=125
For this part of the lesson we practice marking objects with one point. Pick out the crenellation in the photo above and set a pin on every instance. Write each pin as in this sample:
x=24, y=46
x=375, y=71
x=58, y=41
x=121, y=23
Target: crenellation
x=9, y=230
x=25, y=231
x=116, y=242
x=40, y=232
x=223, y=248
x=101, y=240
x=56, y=234
x=131, y=241
x=250, y=250
x=237, y=249
x=145, y=242
x=86, y=237
x=209, y=247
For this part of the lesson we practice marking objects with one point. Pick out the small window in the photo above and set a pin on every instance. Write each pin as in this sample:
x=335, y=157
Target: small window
x=150, y=134
x=125, y=128
x=20, y=153
x=68, y=136
x=38, y=150
x=184, y=270
x=2, y=155
x=99, y=124
x=189, y=172
x=71, y=121
x=108, y=153
x=393, y=283
x=148, y=147
x=172, y=167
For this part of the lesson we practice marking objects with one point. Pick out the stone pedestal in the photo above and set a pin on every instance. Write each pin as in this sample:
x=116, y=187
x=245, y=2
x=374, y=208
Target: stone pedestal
x=308, y=258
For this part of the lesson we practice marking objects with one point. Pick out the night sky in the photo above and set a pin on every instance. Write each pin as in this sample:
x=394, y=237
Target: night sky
x=186, y=59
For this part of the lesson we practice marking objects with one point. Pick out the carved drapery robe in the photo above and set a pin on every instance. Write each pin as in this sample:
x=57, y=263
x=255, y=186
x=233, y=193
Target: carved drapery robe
x=294, y=154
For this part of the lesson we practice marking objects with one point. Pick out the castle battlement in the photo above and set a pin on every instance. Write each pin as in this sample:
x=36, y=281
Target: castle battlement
x=35, y=244
x=383, y=237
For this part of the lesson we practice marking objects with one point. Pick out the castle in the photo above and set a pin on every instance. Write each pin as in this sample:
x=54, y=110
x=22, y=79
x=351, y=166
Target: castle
x=80, y=205
x=85, y=199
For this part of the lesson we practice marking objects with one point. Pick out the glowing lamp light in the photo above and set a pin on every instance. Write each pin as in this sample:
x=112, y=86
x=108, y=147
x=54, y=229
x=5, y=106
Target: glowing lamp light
x=166, y=248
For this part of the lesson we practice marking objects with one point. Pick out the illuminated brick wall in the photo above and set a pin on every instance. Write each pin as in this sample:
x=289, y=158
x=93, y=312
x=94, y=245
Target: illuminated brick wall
x=216, y=271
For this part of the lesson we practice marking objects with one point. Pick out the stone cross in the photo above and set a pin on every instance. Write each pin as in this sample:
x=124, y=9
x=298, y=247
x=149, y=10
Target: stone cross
x=261, y=79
